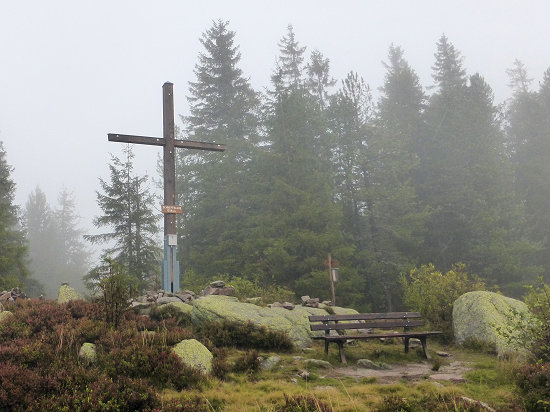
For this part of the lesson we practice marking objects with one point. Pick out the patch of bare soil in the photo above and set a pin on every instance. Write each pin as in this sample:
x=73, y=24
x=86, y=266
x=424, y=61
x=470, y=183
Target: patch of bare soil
x=453, y=372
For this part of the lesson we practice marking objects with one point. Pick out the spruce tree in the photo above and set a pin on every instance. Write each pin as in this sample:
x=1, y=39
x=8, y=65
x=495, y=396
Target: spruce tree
x=127, y=206
x=13, y=249
x=213, y=187
x=396, y=217
x=465, y=176
x=529, y=135
x=297, y=222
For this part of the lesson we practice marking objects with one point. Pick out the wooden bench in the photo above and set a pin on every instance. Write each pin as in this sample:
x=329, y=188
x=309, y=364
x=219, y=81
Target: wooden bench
x=370, y=321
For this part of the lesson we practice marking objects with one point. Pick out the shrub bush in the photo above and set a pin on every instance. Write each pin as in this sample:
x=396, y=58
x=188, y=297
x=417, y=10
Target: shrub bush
x=303, y=403
x=244, y=336
x=534, y=384
x=249, y=363
x=433, y=293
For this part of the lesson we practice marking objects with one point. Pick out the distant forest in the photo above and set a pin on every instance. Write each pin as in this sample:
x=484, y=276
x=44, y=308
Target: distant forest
x=435, y=173
x=426, y=174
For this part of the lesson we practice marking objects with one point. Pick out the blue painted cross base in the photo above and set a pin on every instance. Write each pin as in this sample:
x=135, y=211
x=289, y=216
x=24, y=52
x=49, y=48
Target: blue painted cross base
x=170, y=268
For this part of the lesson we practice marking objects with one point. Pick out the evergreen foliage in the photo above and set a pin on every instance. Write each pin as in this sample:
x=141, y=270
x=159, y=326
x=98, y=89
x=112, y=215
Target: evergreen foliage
x=13, y=248
x=213, y=187
x=56, y=251
x=127, y=206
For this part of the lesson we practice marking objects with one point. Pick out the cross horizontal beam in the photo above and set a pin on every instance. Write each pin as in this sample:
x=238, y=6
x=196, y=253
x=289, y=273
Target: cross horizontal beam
x=159, y=141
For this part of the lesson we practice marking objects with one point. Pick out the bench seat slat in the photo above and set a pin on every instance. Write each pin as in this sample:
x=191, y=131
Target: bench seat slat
x=381, y=324
x=365, y=316
x=377, y=335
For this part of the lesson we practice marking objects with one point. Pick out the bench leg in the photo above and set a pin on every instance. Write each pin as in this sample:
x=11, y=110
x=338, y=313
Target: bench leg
x=341, y=349
x=407, y=344
x=424, y=347
x=326, y=347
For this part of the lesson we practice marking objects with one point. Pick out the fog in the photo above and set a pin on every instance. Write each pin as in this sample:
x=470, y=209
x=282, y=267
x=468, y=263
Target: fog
x=72, y=72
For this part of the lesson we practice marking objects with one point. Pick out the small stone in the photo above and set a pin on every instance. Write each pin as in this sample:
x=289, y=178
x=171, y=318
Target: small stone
x=368, y=364
x=217, y=284
x=443, y=354
x=288, y=305
x=305, y=298
x=293, y=380
x=318, y=363
x=276, y=305
x=298, y=358
x=304, y=374
x=4, y=315
x=221, y=291
x=270, y=363
x=88, y=353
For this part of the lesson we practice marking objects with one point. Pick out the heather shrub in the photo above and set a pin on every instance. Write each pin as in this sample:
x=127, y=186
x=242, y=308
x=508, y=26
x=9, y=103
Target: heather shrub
x=153, y=363
x=303, y=403
x=244, y=336
x=220, y=365
x=249, y=363
x=20, y=386
x=534, y=383
x=103, y=394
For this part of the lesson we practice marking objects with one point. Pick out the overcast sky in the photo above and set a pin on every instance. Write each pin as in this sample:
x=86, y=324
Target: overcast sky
x=73, y=71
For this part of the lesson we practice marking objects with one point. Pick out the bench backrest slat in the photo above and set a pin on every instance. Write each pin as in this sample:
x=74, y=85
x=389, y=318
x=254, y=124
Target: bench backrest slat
x=365, y=316
x=375, y=324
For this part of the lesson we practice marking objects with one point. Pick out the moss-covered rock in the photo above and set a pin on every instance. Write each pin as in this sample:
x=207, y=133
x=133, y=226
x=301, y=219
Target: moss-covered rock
x=478, y=315
x=67, y=293
x=194, y=354
x=179, y=306
x=294, y=322
x=5, y=315
x=88, y=353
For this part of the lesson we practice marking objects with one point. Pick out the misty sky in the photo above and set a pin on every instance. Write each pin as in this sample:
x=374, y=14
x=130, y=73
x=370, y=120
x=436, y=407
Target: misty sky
x=73, y=71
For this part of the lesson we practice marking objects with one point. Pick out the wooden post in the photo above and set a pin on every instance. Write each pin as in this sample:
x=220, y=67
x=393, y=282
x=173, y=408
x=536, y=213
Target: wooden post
x=170, y=265
x=331, y=279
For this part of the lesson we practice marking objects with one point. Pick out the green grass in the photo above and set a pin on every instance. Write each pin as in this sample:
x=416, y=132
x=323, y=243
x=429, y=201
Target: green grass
x=488, y=381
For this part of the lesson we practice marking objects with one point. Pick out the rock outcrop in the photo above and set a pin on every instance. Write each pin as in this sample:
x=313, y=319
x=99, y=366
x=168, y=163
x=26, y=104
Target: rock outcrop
x=478, y=315
x=218, y=287
x=194, y=354
x=67, y=293
x=294, y=322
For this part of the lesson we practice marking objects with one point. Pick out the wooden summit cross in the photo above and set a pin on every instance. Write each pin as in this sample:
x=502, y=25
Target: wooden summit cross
x=170, y=265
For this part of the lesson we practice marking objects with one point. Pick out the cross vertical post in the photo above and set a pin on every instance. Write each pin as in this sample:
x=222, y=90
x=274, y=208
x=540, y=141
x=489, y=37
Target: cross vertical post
x=170, y=265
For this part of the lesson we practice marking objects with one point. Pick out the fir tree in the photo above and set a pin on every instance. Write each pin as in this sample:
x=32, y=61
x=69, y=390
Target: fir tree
x=127, y=206
x=13, y=250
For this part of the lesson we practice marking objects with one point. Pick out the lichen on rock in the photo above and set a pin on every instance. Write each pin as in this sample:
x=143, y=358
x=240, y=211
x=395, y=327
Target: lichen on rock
x=194, y=354
x=88, y=353
x=67, y=293
x=478, y=316
x=294, y=322
x=5, y=315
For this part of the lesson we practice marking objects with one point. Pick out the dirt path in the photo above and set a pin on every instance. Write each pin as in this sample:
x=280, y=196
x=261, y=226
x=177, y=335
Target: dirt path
x=454, y=372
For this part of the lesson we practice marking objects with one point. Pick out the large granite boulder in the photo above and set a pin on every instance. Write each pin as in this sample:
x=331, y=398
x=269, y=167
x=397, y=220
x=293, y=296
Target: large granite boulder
x=294, y=322
x=67, y=293
x=478, y=315
x=194, y=354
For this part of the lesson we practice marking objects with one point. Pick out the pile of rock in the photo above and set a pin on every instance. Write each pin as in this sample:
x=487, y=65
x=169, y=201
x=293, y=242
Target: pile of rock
x=218, y=287
x=162, y=297
x=12, y=295
x=285, y=305
x=314, y=302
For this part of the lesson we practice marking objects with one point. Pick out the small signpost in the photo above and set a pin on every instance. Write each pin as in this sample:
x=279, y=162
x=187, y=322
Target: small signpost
x=170, y=265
